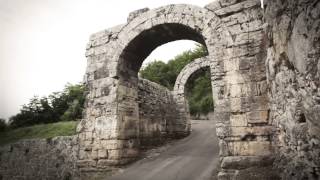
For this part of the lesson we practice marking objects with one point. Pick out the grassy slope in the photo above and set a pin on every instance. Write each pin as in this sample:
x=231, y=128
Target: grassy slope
x=39, y=131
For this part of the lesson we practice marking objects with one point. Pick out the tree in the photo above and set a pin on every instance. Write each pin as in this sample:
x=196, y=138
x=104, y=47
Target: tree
x=199, y=94
x=66, y=105
x=157, y=71
x=3, y=125
x=166, y=74
x=75, y=102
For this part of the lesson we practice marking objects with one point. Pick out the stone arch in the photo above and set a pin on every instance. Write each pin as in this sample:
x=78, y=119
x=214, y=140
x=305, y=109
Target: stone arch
x=233, y=35
x=114, y=58
x=141, y=36
x=187, y=71
x=181, y=81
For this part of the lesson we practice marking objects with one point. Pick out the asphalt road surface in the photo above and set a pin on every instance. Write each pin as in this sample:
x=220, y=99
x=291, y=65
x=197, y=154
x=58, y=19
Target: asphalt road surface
x=192, y=158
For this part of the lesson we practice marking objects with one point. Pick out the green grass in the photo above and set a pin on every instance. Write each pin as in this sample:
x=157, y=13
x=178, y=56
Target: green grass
x=41, y=131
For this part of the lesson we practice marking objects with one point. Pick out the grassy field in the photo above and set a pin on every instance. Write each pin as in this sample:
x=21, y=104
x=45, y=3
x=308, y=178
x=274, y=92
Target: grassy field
x=39, y=131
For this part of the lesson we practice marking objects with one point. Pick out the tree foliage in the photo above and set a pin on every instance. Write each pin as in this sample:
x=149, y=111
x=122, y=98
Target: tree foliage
x=3, y=125
x=199, y=92
x=166, y=73
x=66, y=105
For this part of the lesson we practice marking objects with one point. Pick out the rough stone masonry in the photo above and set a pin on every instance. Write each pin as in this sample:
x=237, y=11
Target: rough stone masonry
x=233, y=33
x=264, y=65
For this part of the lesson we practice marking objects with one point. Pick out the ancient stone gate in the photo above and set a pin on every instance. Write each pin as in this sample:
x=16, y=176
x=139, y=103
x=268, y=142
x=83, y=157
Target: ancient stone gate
x=181, y=81
x=265, y=77
x=112, y=130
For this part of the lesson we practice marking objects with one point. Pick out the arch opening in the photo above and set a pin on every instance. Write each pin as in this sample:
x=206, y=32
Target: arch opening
x=198, y=95
x=142, y=100
x=141, y=46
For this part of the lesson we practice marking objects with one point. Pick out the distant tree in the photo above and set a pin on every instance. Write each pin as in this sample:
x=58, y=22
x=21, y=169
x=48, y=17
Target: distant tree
x=3, y=125
x=166, y=74
x=75, y=102
x=157, y=71
x=66, y=105
x=199, y=94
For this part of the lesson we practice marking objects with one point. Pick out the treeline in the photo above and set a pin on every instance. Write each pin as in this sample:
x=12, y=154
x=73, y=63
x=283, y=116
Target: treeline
x=66, y=105
x=198, y=89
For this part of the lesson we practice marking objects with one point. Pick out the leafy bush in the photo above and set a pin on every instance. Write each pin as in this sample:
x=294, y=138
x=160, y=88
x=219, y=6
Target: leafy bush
x=58, y=106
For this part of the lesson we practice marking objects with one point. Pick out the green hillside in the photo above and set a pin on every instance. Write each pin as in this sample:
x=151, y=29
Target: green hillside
x=38, y=132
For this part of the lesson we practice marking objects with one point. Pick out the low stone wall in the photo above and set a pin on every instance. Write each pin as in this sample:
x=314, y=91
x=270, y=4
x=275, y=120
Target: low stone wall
x=57, y=158
x=293, y=70
x=157, y=113
x=39, y=159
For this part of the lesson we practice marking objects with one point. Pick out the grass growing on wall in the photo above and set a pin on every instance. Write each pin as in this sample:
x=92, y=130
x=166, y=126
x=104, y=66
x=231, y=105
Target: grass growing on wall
x=41, y=131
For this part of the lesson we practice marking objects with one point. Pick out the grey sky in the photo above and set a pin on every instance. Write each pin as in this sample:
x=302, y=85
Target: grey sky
x=43, y=43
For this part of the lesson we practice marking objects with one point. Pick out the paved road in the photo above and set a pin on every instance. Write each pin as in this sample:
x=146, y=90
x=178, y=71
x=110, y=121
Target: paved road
x=192, y=158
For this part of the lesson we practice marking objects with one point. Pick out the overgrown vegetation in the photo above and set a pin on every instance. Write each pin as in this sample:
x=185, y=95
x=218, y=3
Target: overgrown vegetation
x=199, y=92
x=38, y=131
x=3, y=125
x=58, y=106
x=40, y=117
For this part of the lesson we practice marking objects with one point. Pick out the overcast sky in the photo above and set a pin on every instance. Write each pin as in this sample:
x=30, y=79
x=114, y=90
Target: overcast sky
x=42, y=43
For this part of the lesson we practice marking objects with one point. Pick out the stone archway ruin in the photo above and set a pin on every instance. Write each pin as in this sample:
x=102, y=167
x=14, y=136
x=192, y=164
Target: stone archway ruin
x=181, y=81
x=110, y=133
x=265, y=85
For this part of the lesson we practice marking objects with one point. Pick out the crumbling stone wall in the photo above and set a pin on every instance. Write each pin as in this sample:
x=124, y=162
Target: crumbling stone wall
x=39, y=159
x=157, y=113
x=293, y=70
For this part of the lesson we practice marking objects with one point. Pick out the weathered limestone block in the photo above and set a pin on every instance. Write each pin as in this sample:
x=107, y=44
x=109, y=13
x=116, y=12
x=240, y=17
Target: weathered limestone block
x=243, y=162
x=232, y=7
x=258, y=117
x=249, y=148
x=251, y=131
x=239, y=120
